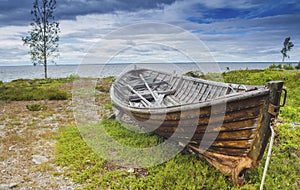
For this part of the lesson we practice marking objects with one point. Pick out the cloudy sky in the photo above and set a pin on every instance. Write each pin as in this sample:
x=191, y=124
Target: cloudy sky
x=229, y=30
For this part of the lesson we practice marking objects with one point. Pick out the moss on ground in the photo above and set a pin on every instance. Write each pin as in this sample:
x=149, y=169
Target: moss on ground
x=35, y=89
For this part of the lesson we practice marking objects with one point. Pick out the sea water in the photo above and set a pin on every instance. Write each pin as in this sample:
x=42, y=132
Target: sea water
x=9, y=73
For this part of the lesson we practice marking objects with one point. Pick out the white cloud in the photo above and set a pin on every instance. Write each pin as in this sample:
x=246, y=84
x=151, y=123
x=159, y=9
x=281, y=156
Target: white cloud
x=236, y=39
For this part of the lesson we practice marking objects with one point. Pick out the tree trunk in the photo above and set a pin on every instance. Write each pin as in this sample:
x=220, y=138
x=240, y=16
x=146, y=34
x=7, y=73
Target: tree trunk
x=45, y=40
x=45, y=68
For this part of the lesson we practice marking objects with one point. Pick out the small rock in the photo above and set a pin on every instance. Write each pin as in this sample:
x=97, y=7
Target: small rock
x=4, y=186
x=131, y=170
x=12, y=147
x=8, y=186
x=38, y=159
x=294, y=155
x=1, y=127
x=12, y=185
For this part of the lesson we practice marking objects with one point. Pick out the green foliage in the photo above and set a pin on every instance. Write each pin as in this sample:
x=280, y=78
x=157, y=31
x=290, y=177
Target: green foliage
x=274, y=66
x=85, y=167
x=290, y=112
x=37, y=89
x=184, y=171
x=73, y=77
x=284, y=168
x=297, y=66
x=288, y=66
x=103, y=84
x=54, y=94
x=108, y=106
x=197, y=74
x=287, y=46
x=128, y=137
x=36, y=107
x=43, y=37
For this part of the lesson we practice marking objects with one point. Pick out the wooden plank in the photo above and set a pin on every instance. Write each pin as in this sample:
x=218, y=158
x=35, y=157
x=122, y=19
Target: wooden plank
x=149, y=96
x=192, y=113
x=173, y=83
x=196, y=94
x=179, y=86
x=149, y=89
x=212, y=92
x=142, y=98
x=226, y=126
x=150, y=84
x=217, y=92
x=172, y=100
x=223, y=91
x=192, y=91
x=182, y=91
x=261, y=138
x=203, y=90
x=206, y=93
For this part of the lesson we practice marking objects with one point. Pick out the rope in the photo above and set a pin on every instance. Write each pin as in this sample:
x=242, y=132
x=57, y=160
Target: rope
x=268, y=155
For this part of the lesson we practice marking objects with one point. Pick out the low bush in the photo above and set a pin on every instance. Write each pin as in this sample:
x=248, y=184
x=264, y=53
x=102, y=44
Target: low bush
x=273, y=66
x=37, y=89
x=36, y=107
x=288, y=66
x=297, y=66
x=57, y=95
x=103, y=84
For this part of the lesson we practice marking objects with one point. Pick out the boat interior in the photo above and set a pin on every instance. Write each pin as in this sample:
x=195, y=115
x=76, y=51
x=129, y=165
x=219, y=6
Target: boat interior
x=143, y=88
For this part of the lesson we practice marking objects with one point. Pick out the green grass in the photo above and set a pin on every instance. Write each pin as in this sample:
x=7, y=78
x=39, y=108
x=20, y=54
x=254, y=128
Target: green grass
x=290, y=112
x=185, y=170
x=37, y=89
x=36, y=107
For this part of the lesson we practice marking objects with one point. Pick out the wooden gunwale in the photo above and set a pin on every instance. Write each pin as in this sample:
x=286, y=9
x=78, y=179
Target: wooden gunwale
x=189, y=106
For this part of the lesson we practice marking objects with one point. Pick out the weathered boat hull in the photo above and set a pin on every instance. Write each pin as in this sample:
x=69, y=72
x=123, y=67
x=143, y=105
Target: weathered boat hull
x=231, y=131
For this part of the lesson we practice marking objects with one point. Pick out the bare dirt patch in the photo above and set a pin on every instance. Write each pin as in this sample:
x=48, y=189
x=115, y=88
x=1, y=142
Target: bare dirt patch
x=27, y=145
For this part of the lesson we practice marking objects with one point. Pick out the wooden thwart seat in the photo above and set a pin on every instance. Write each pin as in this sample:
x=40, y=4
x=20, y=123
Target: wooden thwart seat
x=148, y=96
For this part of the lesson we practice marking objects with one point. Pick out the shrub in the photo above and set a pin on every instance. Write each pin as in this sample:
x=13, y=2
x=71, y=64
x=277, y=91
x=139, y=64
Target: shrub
x=196, y=74
x=37, y=89
x=103, y=84
x=36, y=107
x=297, y=66
x=57, y=95
x=288, y=66
x=273, y=66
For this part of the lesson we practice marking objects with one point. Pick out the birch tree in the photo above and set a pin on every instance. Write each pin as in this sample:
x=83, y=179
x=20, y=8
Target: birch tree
x=44, y=36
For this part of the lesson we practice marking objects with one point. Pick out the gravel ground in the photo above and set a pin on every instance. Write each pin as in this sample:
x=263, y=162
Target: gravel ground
x=27, y=145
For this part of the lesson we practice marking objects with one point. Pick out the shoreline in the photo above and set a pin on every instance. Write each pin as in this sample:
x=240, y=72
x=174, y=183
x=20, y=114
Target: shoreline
x=98, y=71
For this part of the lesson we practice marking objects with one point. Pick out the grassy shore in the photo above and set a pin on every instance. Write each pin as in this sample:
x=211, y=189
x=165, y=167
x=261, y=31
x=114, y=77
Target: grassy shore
x=184, y=171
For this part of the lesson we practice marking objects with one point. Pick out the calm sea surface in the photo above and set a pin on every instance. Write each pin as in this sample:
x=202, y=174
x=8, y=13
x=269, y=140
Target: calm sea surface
x=9, y=73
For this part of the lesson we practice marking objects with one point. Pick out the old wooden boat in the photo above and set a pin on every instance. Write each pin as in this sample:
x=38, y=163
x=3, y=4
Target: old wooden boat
x=229, y=123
